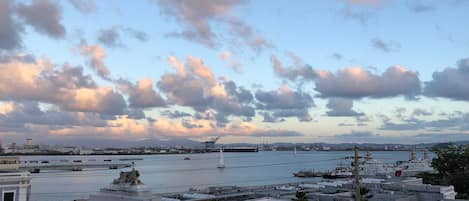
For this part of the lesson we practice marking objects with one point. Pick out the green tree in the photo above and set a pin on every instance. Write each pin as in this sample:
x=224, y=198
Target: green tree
x=300, y=196
x=364, y=194
x=452, y=164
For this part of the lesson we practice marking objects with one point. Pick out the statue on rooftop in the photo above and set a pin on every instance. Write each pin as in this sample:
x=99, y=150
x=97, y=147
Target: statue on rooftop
x=130, y=177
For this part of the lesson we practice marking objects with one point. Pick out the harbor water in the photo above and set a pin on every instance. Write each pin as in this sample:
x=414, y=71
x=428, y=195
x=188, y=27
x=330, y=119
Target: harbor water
x=171, y=173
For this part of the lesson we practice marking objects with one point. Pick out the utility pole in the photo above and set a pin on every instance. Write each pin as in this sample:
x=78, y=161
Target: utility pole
x=357, y=175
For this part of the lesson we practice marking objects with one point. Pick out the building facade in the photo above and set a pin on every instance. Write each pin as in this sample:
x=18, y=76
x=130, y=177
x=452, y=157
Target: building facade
x=14, y=185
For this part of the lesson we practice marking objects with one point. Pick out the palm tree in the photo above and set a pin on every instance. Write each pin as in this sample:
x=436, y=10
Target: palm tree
x=300, y=196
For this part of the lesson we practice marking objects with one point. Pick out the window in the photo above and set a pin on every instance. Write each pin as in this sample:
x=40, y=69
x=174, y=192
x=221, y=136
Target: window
x=8, y=196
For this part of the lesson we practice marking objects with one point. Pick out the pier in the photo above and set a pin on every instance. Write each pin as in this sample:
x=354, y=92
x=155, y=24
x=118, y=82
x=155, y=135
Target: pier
x=36, y=165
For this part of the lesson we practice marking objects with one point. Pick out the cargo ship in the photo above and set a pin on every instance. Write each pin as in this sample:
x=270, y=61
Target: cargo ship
x=234, y=149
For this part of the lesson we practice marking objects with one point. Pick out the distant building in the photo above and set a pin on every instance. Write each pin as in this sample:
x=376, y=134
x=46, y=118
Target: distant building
x=29, y=142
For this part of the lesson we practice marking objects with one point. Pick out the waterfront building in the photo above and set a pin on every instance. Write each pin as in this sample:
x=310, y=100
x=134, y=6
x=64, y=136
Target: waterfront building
x=396, y=189
x=14, y=184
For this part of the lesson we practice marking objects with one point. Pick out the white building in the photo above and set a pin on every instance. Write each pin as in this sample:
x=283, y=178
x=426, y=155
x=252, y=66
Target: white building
x=14, y=185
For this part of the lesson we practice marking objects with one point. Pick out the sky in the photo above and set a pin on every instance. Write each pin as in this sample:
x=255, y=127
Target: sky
x=361, y=71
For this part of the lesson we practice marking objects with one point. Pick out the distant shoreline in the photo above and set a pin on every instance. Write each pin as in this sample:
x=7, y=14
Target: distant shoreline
x=166, y=153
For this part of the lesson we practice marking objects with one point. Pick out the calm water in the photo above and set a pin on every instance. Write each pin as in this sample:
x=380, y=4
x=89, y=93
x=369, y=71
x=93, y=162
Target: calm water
x=170, y=173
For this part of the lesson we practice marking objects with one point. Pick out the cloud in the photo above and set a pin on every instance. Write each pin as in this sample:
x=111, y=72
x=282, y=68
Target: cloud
x=355, y=82
x=44, y=16
x=365, y=2
x=84, y=6
x=277, y=133
x=232, y=62
x=302, y=114
x=191, y=127
x=360, y=10
x=137, y=34
x=65, y=86
x=95, y=56
x=419, y=7
x=101, y=100
x=362, y=120
x=185, y=127
x=340, y=107
x=386, y=47
x=356, y=135
x=112, y=37
x=456, y=122
x=10, y=30
x=362, y=15
x=285, y=102
x=135, y=113
x=269, y=118
x=450, y=83
x=44, y=100
x=337, y=56
x=296, y=71
x=240, y=94
x=142, y=94
x=369, y=137
x=421, y=112
x=20, y=114
x=400, y=112
x=198, y=18
x=30, y=119
x=175, y=114
x=442, y=137
x=194, y=85
x=121, y=127
x=345, y=124
x=283, y=98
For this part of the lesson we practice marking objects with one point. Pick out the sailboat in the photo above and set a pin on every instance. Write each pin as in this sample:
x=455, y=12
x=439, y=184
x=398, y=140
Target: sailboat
x=294, y=148
x=221, y=163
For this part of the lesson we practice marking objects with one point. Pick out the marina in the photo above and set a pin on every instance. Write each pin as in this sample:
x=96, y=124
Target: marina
x=170, y=173
x=385, y=175
x=408, y=189
x=375, y=168
x=77, y=164
x=129, y=187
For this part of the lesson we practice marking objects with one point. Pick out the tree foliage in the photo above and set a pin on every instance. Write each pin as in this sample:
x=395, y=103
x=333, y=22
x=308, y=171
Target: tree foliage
x=452, y=164
x=364, y=194
x=300, y=196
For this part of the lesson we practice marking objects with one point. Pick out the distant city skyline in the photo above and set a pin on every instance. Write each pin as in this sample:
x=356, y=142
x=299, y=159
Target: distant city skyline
x=378, y=71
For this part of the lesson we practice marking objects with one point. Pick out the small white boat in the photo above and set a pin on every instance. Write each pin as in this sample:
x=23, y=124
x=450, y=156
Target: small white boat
x=221, y=163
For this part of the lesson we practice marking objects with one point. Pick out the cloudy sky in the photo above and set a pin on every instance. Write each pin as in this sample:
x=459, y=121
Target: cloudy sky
x=250, y=71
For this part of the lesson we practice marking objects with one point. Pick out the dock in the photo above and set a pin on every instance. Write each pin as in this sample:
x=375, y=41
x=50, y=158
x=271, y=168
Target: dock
x=322, y=190
x=36, y=165
x=234, y=149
